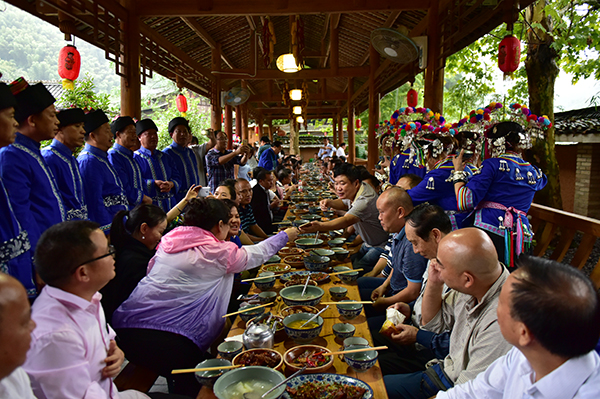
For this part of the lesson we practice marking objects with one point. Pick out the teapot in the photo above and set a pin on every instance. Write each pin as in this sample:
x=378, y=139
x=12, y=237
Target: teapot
x=258, y=336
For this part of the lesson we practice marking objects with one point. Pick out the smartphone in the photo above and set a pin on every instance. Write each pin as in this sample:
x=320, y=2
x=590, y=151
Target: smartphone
x=204, y=192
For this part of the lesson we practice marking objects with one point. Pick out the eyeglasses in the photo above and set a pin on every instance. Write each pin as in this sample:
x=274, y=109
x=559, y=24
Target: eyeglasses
x=111, y=252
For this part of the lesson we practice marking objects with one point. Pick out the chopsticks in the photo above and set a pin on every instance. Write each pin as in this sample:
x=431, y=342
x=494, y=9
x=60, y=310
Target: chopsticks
x=247, y=309
x=346, y=271
x=377, y=348
x=346, y=302
x=181, y=371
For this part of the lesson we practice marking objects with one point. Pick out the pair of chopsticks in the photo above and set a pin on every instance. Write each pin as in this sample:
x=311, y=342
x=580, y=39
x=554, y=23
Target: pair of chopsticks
x=346, y=271
x=181, y=371
x=265, y=277
x=347, y=302
x=247, y=309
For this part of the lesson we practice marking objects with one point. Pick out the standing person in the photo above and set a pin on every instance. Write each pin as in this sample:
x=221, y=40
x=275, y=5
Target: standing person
x=177, y=308
x=269, y=157
x=120, y=156
x=362, y=214
x=220, y=161
x=467, y=263
x=403, y=164
x=245, y=171
x=327, y=150
x=550, y=312
x=182, y=157
x=104, y=191
x=15, y=248
x=502, y=193
x=263, y=199
x=161, y=179
x=73, y=351
x=265, y=143
x=15, y=337
x=200, y=151
x=341, y=151
x=60, y=159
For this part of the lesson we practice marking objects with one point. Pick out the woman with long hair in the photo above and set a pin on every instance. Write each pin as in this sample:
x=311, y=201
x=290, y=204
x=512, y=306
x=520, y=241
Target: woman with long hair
x=175, y=313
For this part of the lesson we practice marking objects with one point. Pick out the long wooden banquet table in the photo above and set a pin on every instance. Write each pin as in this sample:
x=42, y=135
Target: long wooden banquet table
x=327, y=339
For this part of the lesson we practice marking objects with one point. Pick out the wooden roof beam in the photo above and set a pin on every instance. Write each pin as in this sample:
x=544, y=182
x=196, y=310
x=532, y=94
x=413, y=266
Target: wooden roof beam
x=311, y=74
x=329, y=97
x=270, y=7
x=203, y=34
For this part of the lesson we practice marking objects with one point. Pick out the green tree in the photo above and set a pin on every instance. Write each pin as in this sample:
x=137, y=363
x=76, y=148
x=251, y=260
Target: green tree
x=84, y=96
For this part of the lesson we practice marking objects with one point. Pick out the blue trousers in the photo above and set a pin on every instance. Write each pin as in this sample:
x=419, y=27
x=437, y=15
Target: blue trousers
x=366, y=258
x=407, y=386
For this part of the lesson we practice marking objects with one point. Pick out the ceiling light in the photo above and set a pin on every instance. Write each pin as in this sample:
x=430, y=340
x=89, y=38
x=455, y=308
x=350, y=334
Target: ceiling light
x=287, y=63
x=300, y=119
x=296, y=95
x=297, y=110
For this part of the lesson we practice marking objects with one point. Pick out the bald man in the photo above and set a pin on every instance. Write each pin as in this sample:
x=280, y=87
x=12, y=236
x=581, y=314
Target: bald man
x=403, y=275
x=467, y=263
x=15, y=337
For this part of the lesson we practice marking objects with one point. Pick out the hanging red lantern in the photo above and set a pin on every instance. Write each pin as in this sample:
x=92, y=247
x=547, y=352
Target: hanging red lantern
x=358, y=123
x=412, y=98
x=509, y=55
x=181, y=102
x=69, y=63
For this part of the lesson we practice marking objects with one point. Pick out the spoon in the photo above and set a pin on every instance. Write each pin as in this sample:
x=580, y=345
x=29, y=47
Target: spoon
x=316, y=237
x=252, y=395
x=315, y=316
x=305, y=285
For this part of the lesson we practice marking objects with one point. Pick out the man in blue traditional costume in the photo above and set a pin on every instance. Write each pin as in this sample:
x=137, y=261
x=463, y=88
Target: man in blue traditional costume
x=15, y=248
x=269, y=157
x=104, y=191
x=120, y=157
x=406, y=163
x=161, y=178
x=60, y=159
x=29, y=182
x=182, y=157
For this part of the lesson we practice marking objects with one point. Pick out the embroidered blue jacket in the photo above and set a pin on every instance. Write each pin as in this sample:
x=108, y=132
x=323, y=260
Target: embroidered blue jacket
x=103, y=189
x=32, y=190
x=64, y=166
x=158, y=166
x=15, y=249
x=129, y=172
x=438, y=189
x=401, y=165
x=184, y=160
x=507, y=180
x=268, y=159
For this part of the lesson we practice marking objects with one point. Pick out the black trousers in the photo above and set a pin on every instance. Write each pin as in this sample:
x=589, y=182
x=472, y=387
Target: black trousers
x=161, y=352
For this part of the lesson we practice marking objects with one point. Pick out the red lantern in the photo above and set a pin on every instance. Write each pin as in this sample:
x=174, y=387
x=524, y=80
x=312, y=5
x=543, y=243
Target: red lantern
x=412, y=98
x=509, y=55
x=69, y=63
x=358, y=123
x=181, y=102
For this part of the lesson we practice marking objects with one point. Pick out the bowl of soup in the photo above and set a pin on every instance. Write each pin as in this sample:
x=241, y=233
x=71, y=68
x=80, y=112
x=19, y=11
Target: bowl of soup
x=209, y=377
x=292, y=296
x=302, y=334
x=251, y=379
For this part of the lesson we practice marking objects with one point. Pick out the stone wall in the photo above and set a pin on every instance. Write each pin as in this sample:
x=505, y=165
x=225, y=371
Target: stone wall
x=587, y=180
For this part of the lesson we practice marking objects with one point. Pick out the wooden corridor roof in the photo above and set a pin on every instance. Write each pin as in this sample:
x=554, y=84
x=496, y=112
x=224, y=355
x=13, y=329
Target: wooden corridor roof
x=177, y=39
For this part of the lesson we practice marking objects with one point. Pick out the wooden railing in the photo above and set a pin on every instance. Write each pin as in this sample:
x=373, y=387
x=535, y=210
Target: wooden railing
x=547, y=222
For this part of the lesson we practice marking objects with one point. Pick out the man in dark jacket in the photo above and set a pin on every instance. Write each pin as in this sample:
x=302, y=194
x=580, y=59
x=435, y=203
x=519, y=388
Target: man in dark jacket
x=263, y=199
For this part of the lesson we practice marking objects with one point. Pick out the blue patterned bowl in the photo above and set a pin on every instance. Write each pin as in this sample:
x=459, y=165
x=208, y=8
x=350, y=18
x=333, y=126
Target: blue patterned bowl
x=338, y=293
x=343, y=330
x=252, y=313
x=349, y=309
x=348, y=277
x=328, y=379
x=230, y=349
x=360, y=361
x=291, y=295
x=266, y=283
x=209, y=377
x=336, y=242
x=303, y=336
x=316, y=263
x=339, y=253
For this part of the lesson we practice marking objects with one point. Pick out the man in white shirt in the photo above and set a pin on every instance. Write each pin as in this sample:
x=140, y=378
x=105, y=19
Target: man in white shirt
x=550, y=312
x=341, y=151
x=327, y=150
x=15, y=337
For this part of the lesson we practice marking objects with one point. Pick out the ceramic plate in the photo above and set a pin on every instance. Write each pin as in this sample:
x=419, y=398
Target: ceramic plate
x=328, y=379
x=303, y=273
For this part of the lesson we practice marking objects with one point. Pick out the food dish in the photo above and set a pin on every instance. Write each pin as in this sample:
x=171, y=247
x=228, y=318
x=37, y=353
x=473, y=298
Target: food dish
x=293, y=295
x=315, y=383
x=294, y=260
x=276, y=267
x=295, y=358
x=259, y=357
x=232, y=385
x=299, y=277
x=304, y=335
x=287, y=251
x=298, y=309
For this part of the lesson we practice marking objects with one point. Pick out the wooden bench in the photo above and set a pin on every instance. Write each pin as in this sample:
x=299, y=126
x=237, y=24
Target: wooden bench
x=548, y=222
x=135, y=377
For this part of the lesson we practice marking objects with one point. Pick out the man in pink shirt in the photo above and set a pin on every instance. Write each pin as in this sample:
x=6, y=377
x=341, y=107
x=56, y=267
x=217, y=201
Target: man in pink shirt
x=73, y=353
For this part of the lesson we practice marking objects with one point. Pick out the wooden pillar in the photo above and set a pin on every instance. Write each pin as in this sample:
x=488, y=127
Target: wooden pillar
x=434, y=75
x=270, y=123
x=294, y=139
x=372, y=145
x=336, y=142
x=334, y=49
x=229, y=125
x=215, y=101
x=351, y=139
x=340, y=123
x=238, y=121
x=131, y=90
x=245, y=134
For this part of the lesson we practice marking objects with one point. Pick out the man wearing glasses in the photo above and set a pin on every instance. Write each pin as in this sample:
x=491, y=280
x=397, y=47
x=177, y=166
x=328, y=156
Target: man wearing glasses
x=220, y=161
x=73, y=352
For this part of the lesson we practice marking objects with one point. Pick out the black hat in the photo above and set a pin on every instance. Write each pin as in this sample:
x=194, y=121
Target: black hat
x=143, y=125
x=176, y=122
x=70, y=116
x=30, y=99
x=503, y=129
x=7, y=99
x=94, y=120
x=121, y=123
